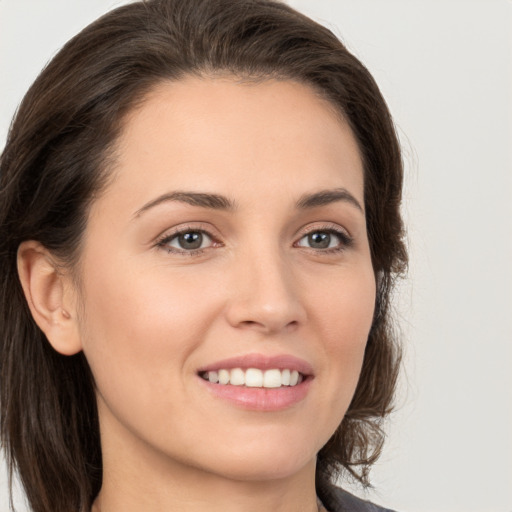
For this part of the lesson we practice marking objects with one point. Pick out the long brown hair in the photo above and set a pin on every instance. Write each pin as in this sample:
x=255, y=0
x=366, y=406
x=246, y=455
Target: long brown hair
x=57, y=159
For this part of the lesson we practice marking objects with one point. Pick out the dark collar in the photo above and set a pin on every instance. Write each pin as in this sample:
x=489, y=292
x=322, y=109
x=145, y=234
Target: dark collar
x=338, y=500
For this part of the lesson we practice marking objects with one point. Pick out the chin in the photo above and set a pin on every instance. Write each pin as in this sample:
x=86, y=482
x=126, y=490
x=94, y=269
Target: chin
x=257, y=470
x=263, y=461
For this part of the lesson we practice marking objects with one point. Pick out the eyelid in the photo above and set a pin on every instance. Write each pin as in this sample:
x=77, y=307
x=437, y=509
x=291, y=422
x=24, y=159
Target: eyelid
x=325, y=226
x=168, y=235
x=346, y=239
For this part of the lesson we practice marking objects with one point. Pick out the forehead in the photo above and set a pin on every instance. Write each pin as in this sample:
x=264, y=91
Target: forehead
x=271, y=137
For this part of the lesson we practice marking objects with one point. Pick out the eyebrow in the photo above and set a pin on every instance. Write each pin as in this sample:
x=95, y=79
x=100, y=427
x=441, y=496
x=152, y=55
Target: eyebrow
x=218, y=202
x=203, y=200
x=325, y=197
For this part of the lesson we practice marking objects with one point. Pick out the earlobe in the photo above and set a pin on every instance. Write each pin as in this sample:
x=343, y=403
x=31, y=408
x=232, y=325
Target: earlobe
x=49, y=297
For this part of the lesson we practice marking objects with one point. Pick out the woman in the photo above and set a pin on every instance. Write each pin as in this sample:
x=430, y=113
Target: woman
x=200, y=229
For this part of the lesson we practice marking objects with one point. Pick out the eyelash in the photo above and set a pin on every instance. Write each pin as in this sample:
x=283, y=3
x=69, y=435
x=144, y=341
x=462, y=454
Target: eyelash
x=169, y=237
x=345, y=240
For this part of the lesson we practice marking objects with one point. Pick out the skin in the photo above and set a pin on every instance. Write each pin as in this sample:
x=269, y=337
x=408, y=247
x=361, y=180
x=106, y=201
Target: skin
x=148, y=314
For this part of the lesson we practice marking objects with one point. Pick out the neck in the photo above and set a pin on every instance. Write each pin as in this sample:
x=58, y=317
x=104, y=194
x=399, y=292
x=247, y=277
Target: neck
x=135, y=479
x=196, y=493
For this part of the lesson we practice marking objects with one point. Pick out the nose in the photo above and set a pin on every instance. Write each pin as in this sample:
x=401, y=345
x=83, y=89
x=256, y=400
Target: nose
x=264, y=294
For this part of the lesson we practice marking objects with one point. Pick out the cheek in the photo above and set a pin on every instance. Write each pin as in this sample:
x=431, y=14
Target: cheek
x=140, y=327
x=345, y=311
x=344, y=315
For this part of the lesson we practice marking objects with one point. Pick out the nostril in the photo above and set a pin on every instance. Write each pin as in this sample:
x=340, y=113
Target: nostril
x=253, y=325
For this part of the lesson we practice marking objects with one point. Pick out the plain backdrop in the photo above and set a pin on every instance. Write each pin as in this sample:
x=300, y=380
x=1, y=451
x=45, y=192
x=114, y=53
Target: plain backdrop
x=445, y=67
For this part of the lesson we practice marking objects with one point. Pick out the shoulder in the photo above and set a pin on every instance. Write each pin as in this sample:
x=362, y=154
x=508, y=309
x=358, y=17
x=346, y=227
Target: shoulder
x=338, y=500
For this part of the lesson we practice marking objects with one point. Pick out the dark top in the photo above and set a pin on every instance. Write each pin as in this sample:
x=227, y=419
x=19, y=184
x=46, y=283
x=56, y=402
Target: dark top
x=338, y=500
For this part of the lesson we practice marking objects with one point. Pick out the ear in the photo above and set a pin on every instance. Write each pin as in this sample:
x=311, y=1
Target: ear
x=51, y=297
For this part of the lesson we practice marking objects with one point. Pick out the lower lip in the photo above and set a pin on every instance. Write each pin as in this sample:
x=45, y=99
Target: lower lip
x=260, y=399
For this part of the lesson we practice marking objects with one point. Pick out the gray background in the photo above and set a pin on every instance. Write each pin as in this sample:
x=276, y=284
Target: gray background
x=445, y=67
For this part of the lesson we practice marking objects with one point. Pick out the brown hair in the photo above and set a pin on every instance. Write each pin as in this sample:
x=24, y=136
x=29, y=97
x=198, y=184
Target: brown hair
x=57, y=158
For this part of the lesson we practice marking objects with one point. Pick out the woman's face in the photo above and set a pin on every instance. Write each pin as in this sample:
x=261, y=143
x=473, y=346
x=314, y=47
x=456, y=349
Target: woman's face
x=231, y=244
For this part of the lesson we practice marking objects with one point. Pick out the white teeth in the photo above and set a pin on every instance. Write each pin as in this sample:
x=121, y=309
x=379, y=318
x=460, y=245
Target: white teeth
x=223, y=376
x=272, y=379
x=254, y=377
x=237, y=377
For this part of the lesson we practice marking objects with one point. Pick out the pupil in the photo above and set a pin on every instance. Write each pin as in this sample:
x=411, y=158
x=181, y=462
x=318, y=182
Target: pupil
x=191, y=240
x=319, y=240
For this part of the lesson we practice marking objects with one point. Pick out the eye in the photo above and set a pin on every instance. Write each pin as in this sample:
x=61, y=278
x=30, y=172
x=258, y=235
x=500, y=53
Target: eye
x=325, y=239
x=187, y=241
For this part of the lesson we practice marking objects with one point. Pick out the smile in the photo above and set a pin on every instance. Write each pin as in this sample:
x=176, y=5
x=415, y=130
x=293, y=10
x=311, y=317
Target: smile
x=254, y=377
x=258, y=382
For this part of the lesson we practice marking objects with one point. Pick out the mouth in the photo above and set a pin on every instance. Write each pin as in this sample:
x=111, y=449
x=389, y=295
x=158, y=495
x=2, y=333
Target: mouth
x=254, y=377
x=259, y=382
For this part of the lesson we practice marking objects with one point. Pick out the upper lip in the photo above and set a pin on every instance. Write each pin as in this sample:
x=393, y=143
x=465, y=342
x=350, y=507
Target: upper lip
x=261, y=361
